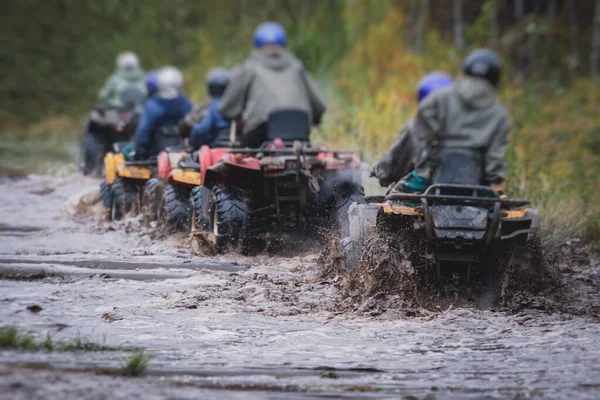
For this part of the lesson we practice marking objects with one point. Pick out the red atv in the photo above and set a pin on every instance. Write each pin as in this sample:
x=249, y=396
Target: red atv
x=283, y=186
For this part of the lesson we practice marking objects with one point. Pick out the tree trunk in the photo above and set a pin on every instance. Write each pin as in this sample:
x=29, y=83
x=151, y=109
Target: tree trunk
x=519, y=10
x=423, y=10
x=519, y=13
x=459, y=38
x=574, y=29
x=495, y=33
x=595, y=56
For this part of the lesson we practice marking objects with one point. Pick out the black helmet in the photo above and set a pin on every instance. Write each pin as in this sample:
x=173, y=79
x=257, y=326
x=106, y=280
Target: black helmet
x=217, y=80
x=483, y=63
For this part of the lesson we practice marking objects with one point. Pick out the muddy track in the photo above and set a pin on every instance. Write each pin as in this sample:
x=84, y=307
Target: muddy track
x=265, y=326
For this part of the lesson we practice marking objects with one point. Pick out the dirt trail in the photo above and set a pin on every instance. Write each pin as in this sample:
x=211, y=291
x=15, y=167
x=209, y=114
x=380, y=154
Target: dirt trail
x=264, y=327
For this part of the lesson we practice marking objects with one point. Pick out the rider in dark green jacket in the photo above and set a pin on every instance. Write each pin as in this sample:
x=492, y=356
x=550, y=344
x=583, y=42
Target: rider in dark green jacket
x=128, y=74
x=463, y=117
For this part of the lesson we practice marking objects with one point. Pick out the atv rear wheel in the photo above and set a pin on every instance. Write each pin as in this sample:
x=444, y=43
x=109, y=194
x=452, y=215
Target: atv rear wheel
x=151, y=200
x=123, y=199
x=174, y=212
x=198, y=220
x=344, y=197
x=229, y=215
x=105, y=188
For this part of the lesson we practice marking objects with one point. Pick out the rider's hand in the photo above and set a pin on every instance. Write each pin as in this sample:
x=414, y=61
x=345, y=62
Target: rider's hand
x=497, y=187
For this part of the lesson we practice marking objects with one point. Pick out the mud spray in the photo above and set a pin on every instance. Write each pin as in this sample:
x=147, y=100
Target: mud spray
x=564, y=278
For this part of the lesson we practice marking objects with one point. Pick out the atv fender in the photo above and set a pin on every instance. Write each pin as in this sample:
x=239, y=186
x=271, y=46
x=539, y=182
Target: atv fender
x=362, y=220
x=112, y=161
x=186, y=177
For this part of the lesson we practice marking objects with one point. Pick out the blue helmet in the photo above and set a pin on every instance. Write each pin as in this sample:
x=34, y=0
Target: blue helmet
x=432, y=82
x=152, y=82
x=269, y=33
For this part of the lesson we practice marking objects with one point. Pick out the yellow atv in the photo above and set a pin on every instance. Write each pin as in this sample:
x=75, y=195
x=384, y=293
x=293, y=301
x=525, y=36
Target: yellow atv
x=124, y=184
x=461, y=231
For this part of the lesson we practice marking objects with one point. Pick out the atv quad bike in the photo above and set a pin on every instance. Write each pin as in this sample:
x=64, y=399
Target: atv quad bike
x=106, y=127
x=283, y=186
x=132, y=185
x=182, y=174
x=460, y=231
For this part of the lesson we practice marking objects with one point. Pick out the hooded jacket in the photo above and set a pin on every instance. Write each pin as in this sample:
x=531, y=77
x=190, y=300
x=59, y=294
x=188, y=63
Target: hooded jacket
x=269, y=81
x=400, y=158
x=465, y=115
x=207, y=130
x=121, y=79
x=158, y=113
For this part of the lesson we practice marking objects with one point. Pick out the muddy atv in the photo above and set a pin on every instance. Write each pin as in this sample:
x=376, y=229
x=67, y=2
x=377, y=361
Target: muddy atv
x=131, y=186
x=460, y=232
x=183, y=173
x=104, y=128
x=284, y=187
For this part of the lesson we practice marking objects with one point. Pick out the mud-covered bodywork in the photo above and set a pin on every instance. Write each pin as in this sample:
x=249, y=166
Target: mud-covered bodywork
x=448, y=224
x=285, y=186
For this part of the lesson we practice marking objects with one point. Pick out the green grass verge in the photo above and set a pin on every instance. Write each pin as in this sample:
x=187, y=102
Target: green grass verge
x=12, y=338
x=136, y=365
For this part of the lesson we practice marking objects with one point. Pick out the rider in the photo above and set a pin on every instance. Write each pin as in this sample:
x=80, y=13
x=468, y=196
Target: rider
x=465, y=130
x=402, y=156
x=212, y=123
x=128, y=74
x=161, y=112
x=152, y=82
x=271, y=78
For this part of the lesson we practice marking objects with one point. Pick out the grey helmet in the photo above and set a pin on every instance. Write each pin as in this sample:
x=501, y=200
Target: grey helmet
x=170, y=82
x=127, y=59
x=217, y=80
x=483, y=63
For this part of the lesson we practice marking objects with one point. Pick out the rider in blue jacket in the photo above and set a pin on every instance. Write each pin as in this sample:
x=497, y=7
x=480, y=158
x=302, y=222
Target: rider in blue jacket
x=205, y=132
x=163, y=110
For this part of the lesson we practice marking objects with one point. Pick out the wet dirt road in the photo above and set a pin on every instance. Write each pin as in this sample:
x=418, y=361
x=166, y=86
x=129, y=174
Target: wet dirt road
x=241, y=327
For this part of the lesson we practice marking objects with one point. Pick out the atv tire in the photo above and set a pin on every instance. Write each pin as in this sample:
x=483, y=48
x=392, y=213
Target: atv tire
x=92, y=155
x=123, y=199
x=174, y=209
x=344, y=197
x=229, y=215
x=105, y=189
x=151, y=200
x=197, y=219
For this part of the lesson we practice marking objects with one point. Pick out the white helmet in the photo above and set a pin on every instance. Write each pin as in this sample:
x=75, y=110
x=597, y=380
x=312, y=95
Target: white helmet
x=127, y=59
x=170, y=82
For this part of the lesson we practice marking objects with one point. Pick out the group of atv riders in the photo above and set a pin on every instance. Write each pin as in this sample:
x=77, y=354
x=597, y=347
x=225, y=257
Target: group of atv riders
x=459, y=135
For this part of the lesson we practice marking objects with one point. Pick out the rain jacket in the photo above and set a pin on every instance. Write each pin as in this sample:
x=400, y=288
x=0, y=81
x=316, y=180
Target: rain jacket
x=212, y=123
x=465, y=115
x=400, y=158
x=193, y=118
x=121, y=79
x=158, y=113
x=270, y=81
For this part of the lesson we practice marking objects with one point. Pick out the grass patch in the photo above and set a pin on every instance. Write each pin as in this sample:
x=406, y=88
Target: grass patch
x=12, y=338
x=136, y=365
x=50, y=146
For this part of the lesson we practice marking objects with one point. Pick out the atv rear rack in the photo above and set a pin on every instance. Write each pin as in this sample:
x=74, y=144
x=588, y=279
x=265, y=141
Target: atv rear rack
x=311, y=152
x=504, y=202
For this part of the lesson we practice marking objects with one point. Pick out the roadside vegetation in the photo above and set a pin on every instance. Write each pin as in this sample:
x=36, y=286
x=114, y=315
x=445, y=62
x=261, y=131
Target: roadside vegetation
x=14, y=339
x=368, y=57
x=136, y=365
x=11, y=338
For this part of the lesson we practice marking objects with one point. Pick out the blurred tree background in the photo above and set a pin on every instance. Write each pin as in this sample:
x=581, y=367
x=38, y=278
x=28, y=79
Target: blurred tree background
x=367, y=54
